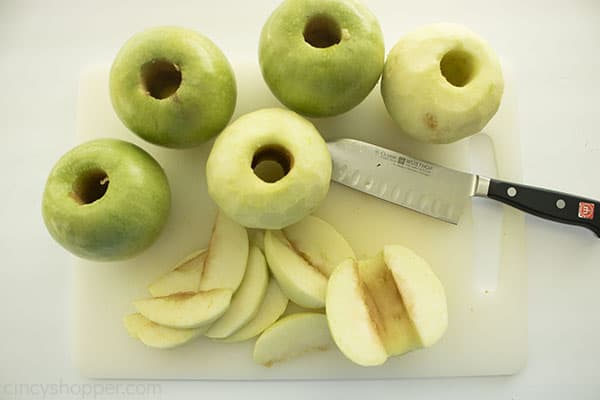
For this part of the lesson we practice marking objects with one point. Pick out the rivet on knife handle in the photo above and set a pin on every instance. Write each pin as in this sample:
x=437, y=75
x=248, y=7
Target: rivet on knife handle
x=552, y=205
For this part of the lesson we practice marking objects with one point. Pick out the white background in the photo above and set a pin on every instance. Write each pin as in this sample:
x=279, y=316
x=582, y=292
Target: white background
x=554, y=50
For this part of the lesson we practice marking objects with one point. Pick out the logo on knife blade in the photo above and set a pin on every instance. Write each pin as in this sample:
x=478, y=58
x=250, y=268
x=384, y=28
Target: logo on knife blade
x=420, y=167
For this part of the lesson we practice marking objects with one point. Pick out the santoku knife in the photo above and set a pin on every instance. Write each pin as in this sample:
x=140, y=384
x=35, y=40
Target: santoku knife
x=443, y=192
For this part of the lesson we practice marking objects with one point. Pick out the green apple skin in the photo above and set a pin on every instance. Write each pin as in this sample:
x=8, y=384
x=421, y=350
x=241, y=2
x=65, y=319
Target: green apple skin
x=249, y=200
x=122, y=222
x=201, y=106
x=321, y=81
x=423, y=101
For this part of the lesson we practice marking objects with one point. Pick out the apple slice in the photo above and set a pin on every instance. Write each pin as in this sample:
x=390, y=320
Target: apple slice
x=247, y=299
x=353, y=319
x=185, y=277
x=319, y=243
x=303, y=283
x=273, y=305
x=422, y=292
x=291, y=337
x=227, y=255
x=186, y=310
x=385, y=306
x=158, y=336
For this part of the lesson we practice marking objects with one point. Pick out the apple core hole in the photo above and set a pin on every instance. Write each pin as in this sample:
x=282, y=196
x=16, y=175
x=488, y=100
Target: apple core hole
x=160, y=78
x=89, y=186
x=458, y=67
x=322, y=31
x=272, y=163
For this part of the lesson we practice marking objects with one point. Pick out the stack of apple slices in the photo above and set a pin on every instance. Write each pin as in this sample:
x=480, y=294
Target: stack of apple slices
x=375, y=308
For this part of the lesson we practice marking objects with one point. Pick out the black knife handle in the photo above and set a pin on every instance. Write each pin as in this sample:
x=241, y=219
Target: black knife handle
x=548, y=204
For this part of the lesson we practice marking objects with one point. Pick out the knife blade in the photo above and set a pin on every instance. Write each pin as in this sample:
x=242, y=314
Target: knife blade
x=442, y=192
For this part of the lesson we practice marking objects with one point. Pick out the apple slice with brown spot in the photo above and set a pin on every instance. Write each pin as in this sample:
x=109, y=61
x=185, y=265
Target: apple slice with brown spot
x=185, y=277
x=185, y=310
x=385, y=306
x=302, y=256
x=227, y=255
x=291, y=337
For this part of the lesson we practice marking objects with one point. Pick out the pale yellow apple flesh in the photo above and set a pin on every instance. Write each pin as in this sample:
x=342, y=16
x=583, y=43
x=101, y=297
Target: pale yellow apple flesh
x=227, y=255
x=257, y=238
x=385, y=306
x=234, y=174
x=398, y=333
x=273, y=305
x=303, y=283
x=246, y=301
x=186, y=310
x=158, y=336
x=319, y=243
x=422, y=292
x=441, y=83
x=354, y=329
x=291, y=337
x=185, y=277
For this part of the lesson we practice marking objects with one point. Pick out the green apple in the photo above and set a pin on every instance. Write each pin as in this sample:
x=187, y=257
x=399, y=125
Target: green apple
x=186, y=310
x=321, y=57
x=273, y=305
x=172, y=87
x=227, y=255
x=158, y=336
x=280, y=138
x=106, y=200
x=385, y=306
x=293, y=336
x=441, y=83
x=185, y=277
x=246, y=301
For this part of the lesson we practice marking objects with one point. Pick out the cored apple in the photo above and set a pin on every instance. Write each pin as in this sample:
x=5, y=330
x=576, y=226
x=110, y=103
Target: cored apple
x=321, y=57
x=106, y=199
x=441, y=83
x=269, y=169
x=172, y=86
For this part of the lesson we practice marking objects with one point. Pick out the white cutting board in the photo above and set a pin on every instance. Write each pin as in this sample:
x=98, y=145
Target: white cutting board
x=487, y=331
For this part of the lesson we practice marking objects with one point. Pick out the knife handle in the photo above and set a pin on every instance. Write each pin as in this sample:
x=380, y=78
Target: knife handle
x=555, y=206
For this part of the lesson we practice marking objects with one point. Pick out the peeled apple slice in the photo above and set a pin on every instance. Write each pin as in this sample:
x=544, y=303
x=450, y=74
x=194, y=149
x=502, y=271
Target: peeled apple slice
x=246, y=300
x=185, y=310
x=158, y=336
x=293, y=336
x=185, y=277
x=273, y=305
